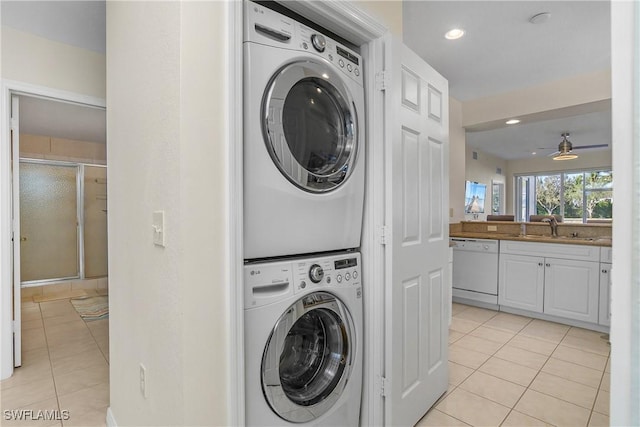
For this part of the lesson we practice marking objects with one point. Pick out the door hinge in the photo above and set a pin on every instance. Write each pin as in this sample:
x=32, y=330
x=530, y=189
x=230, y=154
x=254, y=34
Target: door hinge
x=14, y=326
x=382, y=80
x=384, y=384
x=384, y=235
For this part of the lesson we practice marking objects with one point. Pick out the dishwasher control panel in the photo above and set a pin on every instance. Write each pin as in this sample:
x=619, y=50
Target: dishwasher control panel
x=476, y=245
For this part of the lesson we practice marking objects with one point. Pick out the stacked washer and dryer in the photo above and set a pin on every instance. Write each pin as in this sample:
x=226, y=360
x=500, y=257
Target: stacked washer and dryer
x=303, y=206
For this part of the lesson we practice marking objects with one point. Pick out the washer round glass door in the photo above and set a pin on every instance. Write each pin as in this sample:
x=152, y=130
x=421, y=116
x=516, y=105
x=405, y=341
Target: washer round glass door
x=310, y=126
x=308, y=357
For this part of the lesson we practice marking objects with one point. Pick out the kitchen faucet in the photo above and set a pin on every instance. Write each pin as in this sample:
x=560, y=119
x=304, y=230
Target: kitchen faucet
x=553, y=223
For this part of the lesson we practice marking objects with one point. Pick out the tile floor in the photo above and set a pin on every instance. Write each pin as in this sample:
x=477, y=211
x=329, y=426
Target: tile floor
x=508, y=370
x=504, y=370
x=65, y=367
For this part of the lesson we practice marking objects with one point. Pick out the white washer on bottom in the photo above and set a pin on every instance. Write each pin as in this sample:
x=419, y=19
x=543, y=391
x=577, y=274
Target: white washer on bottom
x=303, y=341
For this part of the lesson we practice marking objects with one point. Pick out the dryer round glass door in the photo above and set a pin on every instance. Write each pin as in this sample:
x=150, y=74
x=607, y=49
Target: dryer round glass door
x=307, y=359
x=310, y=127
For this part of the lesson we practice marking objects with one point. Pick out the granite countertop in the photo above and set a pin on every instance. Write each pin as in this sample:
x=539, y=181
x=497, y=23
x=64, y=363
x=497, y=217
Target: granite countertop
x=588, y=241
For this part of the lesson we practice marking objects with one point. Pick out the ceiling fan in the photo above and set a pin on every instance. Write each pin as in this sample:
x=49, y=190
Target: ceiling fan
x=565, y=148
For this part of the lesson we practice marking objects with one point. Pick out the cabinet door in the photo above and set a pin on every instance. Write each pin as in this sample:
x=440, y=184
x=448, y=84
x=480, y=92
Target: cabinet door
x=572, y=289
x=604, y=316
x=521, y=282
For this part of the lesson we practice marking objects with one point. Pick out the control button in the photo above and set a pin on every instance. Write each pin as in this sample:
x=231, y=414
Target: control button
x=316, y=273
x=318, y=42
x=347, y=276
x=305, y=45
x=303, y=284
x=356, y=71
x=349, y=67
x=330, y=57
x=355, y=274
x=328, y=279
x=341, y=63
x=339, y=278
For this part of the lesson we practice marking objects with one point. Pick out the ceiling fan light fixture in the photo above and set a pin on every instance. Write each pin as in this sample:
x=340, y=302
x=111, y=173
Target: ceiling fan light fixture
x=565, y=156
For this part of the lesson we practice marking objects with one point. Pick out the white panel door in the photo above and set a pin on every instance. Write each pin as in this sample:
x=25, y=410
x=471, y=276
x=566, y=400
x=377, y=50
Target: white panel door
x=416, y=186
x=15, y=175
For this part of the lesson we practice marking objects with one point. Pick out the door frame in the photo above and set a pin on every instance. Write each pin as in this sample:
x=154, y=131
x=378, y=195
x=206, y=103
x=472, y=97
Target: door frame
x=7, y=301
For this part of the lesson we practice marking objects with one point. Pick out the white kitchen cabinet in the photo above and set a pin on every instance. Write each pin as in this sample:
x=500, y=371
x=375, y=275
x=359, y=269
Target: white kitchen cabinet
x=571, y=289
x=555, y=279
x=605, y=294
x=521, y=282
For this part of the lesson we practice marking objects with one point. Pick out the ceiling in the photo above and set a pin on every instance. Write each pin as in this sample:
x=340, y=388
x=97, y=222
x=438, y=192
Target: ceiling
x=39, y=116
x=502, y=51
x=76, y=23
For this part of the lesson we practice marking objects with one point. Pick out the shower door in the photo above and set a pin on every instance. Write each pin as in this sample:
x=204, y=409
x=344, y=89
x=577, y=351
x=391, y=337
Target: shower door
x=48, y=221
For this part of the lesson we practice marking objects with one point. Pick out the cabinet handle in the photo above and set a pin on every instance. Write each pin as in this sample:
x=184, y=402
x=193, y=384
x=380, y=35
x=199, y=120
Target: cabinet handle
x=604, y=271
x=539, y=264
x=548, y=265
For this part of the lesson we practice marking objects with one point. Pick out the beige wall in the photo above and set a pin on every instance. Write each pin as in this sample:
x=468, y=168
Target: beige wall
x=36, y=60
x=483, y=170
x=457, y=161
x=166, y=123
x=46, y=147
x=389, y=12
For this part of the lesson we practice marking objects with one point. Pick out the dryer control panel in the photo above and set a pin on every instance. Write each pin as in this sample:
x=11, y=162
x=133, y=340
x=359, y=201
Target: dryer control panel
x=268, y=27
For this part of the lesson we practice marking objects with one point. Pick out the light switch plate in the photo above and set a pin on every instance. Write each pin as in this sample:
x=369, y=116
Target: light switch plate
x=158, y=228
x=492, y=228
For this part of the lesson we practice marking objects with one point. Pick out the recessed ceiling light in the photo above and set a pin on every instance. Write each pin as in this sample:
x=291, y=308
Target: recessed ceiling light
x=534, y=153
x=512, y=122
x=454, y=34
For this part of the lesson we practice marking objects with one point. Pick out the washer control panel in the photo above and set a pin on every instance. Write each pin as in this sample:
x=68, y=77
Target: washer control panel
x=331, y=271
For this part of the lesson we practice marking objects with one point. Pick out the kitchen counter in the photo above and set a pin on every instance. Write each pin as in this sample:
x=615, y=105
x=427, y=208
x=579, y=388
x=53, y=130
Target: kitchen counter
x=590, y=241
x=568, y=233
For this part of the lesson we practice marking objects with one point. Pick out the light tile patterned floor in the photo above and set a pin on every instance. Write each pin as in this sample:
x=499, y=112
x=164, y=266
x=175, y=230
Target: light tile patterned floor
x=65, y=368
x=508, y=370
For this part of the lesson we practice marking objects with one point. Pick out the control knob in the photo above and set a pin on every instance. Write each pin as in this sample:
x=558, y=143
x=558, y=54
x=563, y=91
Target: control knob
x=319, y=42
x=316, y=273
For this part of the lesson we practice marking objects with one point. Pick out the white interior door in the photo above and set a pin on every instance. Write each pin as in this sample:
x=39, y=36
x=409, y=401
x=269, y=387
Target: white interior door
x=416, y=187
x=15, y=175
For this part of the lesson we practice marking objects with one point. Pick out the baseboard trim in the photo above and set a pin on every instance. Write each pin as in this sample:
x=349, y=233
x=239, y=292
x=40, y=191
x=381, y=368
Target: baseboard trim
x=111, y=421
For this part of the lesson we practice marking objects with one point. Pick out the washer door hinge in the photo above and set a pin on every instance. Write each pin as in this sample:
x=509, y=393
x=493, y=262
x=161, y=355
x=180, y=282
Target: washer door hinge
x=382, y=80
x=384, y=235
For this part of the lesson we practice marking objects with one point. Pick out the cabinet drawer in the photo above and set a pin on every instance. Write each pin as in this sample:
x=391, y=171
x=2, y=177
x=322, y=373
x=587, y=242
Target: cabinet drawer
x=553, y=250
x=605, y=254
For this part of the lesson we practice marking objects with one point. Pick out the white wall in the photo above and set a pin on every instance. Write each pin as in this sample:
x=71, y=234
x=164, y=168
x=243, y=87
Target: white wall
x=36, y=60
x=457, y=161
x=166, y=150
x=388, y=12
x=483, y=170
x=586, y=160
x=625, y=293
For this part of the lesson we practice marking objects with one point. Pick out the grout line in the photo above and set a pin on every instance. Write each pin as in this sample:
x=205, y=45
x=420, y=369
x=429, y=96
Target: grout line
x=46, y=340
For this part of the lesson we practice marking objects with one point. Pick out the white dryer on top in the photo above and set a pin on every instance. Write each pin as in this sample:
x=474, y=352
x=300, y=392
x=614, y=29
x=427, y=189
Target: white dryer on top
x=303, y=139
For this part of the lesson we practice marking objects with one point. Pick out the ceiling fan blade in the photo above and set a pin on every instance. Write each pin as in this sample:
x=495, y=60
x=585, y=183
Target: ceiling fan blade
x=553, y=154
x=584, y=147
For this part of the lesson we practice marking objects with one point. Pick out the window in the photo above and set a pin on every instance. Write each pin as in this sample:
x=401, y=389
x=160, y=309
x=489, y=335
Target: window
x=583, y=196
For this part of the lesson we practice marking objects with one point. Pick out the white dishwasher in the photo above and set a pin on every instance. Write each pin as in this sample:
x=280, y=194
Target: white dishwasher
x=475, y=270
